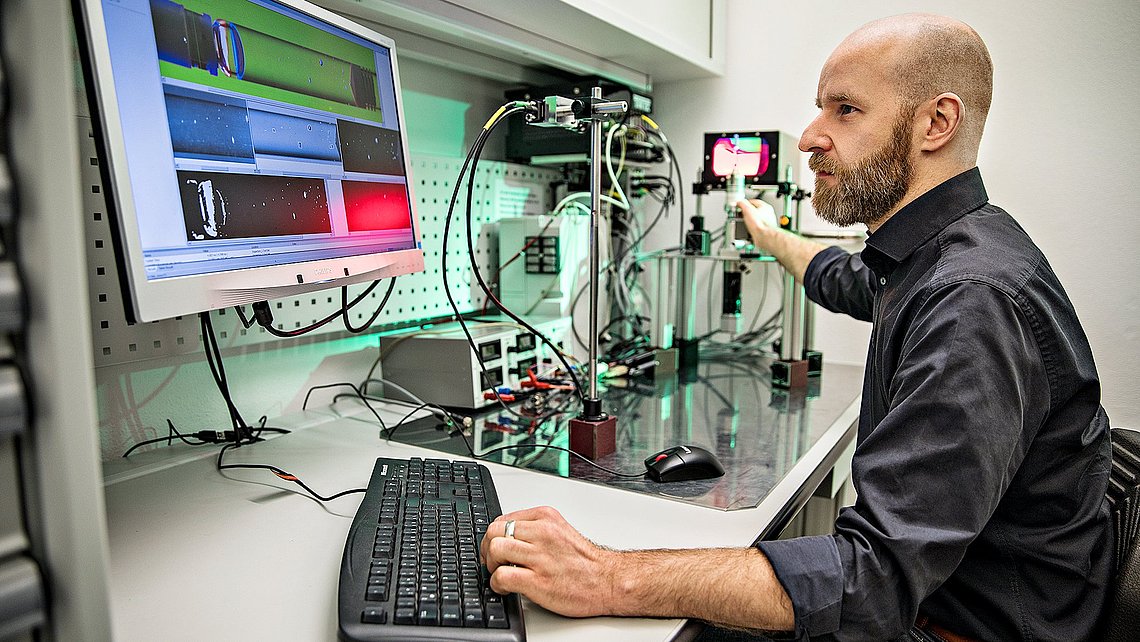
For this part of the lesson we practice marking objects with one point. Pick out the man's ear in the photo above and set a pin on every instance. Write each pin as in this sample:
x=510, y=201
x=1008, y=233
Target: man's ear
x=943, y=115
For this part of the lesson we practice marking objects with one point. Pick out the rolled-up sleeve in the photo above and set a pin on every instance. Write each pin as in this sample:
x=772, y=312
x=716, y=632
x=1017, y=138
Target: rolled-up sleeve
x=840, y=281
x=964, y=404
x=811, y=573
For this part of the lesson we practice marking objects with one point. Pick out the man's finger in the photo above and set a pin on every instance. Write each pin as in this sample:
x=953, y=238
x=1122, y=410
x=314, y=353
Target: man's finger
x=530, y=514
x=497, y=529
x=759, y=212
x=513, y=579
x=505, y=551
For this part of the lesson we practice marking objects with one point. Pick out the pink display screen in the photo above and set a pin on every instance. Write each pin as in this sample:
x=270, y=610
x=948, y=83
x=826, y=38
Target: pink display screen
x=747, y=155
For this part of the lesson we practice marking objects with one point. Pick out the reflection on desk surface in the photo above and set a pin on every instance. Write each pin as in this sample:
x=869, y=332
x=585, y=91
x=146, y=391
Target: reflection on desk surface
x=730, y=409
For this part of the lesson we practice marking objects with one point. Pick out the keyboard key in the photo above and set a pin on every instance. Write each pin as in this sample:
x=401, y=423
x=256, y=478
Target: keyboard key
x=376, y=594
x=450, y=615
x=496, y=617
x=374, y=615
x=428, y=615
x=404, y=616
x=473, y=616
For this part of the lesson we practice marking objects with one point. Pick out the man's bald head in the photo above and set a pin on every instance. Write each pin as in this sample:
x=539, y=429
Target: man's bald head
x=927, y=55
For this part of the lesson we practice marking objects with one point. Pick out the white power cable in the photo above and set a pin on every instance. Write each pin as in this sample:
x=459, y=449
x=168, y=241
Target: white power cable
x=610, y=165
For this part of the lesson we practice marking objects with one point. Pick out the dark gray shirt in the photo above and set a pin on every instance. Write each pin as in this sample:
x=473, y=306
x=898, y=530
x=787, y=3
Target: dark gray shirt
x=983, y=453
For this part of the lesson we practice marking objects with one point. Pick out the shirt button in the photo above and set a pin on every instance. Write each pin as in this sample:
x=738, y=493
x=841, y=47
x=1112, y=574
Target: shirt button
x=882, y=280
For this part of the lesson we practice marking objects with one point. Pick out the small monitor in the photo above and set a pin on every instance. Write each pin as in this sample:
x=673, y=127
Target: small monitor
x=762, y=158
x=254, y=149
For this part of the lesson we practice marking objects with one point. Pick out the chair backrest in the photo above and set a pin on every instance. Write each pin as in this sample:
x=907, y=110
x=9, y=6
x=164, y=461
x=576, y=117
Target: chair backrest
x=1124, y=497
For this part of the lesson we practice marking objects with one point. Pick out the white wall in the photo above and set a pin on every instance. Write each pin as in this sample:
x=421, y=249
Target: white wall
x=1060, y=149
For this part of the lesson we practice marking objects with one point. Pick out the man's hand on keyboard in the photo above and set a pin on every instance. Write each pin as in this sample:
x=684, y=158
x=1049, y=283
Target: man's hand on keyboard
x=559, y=569
x=549, y=562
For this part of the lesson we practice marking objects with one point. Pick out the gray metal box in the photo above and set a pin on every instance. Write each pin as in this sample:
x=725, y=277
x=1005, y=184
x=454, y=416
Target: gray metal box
x=438, y=365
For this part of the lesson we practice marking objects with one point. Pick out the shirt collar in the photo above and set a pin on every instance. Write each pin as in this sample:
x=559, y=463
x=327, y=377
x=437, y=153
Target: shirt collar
x=922, y=218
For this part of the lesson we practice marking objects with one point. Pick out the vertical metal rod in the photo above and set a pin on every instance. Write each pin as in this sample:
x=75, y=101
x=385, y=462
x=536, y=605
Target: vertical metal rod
x=787, y=352
x=794, y=298
x=789, y=333
x=595, y=214
x=809, y=327
x=809, y=308
x=685, y=314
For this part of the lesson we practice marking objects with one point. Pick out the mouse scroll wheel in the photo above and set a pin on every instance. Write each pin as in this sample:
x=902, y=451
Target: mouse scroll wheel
x=660, y=457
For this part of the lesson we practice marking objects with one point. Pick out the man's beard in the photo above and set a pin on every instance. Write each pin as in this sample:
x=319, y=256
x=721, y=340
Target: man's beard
x=866, y=191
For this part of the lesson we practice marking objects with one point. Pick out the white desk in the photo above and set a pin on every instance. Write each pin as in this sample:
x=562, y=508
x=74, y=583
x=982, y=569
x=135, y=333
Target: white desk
x=196, y=555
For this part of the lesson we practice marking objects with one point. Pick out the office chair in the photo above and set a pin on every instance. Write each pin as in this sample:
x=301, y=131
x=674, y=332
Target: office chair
x=1124, y=497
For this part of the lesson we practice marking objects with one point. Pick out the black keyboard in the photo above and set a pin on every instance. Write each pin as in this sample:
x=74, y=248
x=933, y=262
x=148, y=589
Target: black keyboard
x=411, y=566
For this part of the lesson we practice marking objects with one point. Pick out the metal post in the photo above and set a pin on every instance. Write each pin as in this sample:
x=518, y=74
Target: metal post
x=595, y=214
x=793, y=324
x=809, y=309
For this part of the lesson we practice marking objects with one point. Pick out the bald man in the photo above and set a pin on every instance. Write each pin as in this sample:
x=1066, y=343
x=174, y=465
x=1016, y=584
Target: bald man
x=982, y=454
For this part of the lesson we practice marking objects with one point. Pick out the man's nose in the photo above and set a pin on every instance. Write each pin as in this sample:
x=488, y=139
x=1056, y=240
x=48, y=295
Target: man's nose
x=814, y=139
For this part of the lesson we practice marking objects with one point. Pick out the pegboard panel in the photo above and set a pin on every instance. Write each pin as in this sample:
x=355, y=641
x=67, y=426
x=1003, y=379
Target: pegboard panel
x=501, y=190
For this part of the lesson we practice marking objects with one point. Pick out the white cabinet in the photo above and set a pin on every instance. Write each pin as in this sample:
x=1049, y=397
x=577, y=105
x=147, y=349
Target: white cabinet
x=634, y=42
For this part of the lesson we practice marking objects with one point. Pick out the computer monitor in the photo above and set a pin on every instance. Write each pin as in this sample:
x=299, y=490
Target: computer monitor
x=762, y=157
x=252, y=149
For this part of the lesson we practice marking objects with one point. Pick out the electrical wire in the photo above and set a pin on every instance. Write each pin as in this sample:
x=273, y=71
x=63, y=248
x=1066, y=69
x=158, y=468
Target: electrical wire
x=343, y=384
x=367, y=324
x=263, y=315
x=171, y=435
x=246, y=323
x=487, y=453
x=472, y=162
x=218, y=371
x=281, y=474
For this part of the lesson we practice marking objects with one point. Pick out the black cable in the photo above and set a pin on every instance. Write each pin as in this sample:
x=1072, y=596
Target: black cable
x=637, y=241
x=217, y=369
x=478, y=149
x=205, y=437
x=355, y=389
x=246, y=323
x=487, y=453
x=537, y=420
x=282, y=474
x=423, y=406
x=448, y=417
x=264, y=316
x=376, y=314
x=171, y=435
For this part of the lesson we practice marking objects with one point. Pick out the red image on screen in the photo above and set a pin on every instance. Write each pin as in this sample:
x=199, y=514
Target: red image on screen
x=376, y=206
x=747, y=155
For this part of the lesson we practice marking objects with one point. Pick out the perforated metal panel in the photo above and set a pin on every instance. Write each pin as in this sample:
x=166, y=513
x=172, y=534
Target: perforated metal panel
x=501, y=189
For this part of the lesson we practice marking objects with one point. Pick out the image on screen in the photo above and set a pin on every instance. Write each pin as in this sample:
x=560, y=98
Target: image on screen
x=255, y=135
x=746, y=155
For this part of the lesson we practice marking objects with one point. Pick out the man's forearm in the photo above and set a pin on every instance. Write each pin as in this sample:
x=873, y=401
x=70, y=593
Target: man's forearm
x=731, y=587
x=792, y=251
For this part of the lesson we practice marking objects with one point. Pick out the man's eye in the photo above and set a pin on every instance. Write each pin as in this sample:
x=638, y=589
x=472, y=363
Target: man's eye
x=845, y=109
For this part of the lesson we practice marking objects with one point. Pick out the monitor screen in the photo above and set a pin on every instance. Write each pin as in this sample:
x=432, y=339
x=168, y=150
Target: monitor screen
x=745, y=155
x=255, y=149
x=761, y=157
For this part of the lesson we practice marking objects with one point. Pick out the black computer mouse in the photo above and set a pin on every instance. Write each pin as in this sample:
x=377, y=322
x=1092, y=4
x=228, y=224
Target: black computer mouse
x=682, y=463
